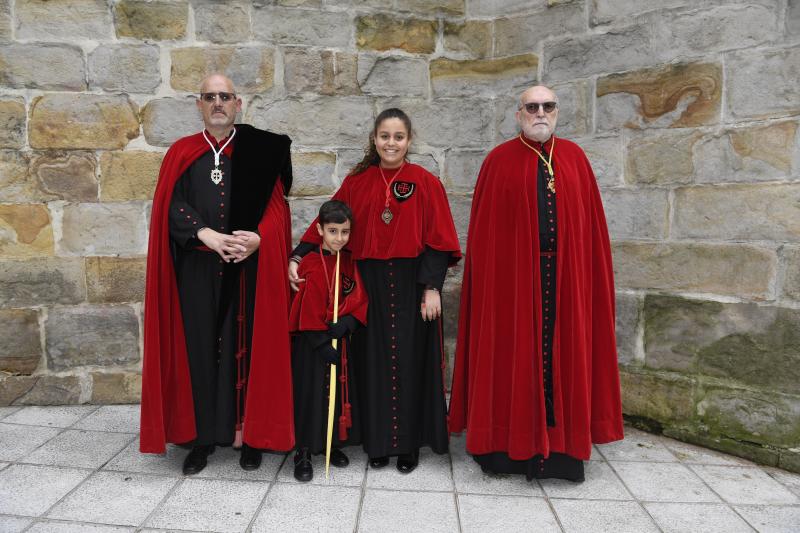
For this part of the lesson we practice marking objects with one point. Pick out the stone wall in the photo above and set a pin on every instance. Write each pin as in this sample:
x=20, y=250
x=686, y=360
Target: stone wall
x=688, y=111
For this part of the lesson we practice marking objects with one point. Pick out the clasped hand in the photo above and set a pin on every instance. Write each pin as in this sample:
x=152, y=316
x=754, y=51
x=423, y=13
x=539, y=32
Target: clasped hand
x=234, y=247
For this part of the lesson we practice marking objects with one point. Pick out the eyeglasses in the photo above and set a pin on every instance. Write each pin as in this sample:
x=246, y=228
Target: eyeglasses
x=212, y=97
x=533, y=107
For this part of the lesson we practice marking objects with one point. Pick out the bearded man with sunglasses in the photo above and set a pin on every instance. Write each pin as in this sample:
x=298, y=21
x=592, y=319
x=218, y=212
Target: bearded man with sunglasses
x=219, y=244
x=535, y=381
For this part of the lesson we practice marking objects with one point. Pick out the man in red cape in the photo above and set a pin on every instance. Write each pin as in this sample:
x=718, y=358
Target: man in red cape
x=535, y=381
x=219, y=243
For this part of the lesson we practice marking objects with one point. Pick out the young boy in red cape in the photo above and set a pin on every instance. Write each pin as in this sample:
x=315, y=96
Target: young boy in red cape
x=311, y=323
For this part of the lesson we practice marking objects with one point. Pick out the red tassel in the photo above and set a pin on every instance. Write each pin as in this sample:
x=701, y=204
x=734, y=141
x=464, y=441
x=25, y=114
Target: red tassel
x=237, y=441
x=342, y=428
x=348, y=415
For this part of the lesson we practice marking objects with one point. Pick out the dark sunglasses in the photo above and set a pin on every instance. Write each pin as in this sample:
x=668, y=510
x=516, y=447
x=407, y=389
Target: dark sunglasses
x=212, y=97
x=533, y=107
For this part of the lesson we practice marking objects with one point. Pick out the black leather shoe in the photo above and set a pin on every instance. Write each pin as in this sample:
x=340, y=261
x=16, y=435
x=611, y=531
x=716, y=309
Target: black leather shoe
x=303, y=471
x=407, y=462
x=378, y=462
x=250, y=458
x=197, y=459
x=338, y=458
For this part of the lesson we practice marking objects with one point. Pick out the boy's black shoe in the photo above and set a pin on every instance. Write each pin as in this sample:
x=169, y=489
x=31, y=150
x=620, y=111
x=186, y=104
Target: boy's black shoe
x=378, y=462
x=303, y=471
x=250, y=458
x=407, y=462
x=338, y=458
x=197, y=459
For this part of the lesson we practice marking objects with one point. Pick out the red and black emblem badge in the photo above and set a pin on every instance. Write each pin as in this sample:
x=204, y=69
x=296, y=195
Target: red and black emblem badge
x=348, y=284
x=403, y=190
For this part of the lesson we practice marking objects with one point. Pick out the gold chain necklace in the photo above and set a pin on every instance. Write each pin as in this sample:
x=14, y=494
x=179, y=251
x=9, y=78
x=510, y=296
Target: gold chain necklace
x=551, y=182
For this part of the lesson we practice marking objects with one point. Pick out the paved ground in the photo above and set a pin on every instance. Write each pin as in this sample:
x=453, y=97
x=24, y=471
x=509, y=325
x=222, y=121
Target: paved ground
x=65, y=469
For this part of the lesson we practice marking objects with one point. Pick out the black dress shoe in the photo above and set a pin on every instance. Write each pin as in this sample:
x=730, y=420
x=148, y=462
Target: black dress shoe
x=338, y=458
x=250, y=458
x=197, y=459
x=407, y=462
x=303, y=471
x=378, y=462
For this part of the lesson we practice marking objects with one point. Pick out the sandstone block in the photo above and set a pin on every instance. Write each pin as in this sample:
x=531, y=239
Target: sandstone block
x=384, y=32
x=103, y=229
x=483, y=77
x=66, y=176
x=749, y=154
x=15, y=179
x=6, y=21
x=346, y=160
x=500, y=8
x=12, y=123
x=445, y=7
x=326, y=72
x=451, y=300
x=628, y=327
x=307, y=3
x=605, y=156
x=793, y=27
x=304, y=211
x=763, y=83
x=82, y=121
x=750, y=415
x=40, y=390
x=115, y=279
x=636, y=214
x=606, y=11
x=426, y=161
x=443, y=121
x=574, y=109
x=313, y=173
x=791, y=280
x=617, y=50
x=472, y=38
x=725, y=28
x=125, y=68
x=251, y=68
x=522, y=34
x=92, y=335
x=304, y=27
x=738, y=212
x=461, y=207
x=727, y=269
x=222, y=22
x=165, y=120
x=62, y=20
x=157, y=20
x=41, y=281
x=658, y=396
x=661, y=157
x=347, y=120
x=42, y=66
x=20, y=343
x=674, y=96
x=116, y=387
x=389, y=76
x=505, y=118
x=462, y=168
x=26, y=230
x=754, y=345
x=130, y=175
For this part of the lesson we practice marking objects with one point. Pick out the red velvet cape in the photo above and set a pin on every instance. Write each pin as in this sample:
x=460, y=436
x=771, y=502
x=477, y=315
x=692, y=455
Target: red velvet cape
x=312, y=305
x=422, y=219
x=167, y=412
x=497, y=393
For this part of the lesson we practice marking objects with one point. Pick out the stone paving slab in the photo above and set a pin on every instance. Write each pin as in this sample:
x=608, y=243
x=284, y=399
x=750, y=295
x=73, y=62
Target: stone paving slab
x=56, y=416
x=5, y=411
x=117, y=498
x=114, y=418
x=693, y=517
x=80, y=471
x=86, y=449
x=296, y=507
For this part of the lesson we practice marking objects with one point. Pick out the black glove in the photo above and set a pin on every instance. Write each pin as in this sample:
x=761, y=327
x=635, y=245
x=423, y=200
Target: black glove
x=328, y=353
x=345, y=326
